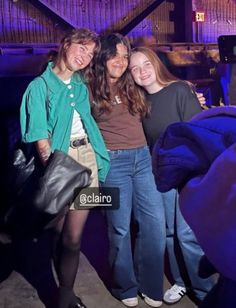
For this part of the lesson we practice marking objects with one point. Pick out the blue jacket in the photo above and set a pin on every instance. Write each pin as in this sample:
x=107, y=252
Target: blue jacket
x=200, y=158
x=187, y=149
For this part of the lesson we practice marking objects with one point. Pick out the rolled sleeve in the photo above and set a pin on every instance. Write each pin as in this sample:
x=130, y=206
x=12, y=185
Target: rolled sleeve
x=33, y=113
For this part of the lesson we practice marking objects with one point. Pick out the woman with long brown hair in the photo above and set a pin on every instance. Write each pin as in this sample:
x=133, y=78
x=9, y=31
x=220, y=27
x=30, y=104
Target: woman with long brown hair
x=118, y=109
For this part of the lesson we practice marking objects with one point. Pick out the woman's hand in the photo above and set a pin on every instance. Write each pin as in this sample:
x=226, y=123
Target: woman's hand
x=201, y=98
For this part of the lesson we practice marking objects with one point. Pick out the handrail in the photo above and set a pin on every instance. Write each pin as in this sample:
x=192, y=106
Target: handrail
x=26, y=49
x=32, y=49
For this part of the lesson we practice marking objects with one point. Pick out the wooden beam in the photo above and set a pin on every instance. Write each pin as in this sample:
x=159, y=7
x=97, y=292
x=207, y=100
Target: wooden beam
x=188, y=21
x=182, y=18
x=53, y=14
x=134, y=22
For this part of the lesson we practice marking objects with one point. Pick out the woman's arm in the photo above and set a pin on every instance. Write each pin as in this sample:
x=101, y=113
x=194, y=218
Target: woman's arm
x=44, y=150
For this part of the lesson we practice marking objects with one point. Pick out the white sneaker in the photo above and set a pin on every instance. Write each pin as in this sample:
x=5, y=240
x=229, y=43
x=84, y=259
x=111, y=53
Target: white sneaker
x=130, y=302
x=151, y=302
x=174, y=294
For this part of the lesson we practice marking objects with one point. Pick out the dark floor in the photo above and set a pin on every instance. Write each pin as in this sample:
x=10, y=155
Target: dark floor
x=28, y=282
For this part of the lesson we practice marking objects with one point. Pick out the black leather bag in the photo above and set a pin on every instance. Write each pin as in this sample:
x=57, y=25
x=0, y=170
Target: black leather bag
x=39, y=196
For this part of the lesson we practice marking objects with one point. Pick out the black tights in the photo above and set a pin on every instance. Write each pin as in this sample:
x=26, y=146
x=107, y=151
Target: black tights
x=66, y=248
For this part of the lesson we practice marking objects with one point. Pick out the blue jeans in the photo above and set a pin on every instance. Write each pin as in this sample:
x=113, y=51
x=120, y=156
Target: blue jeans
x=142, y=270
x=179, y=234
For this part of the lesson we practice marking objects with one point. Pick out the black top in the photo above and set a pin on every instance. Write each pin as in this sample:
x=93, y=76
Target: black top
x=174, y=103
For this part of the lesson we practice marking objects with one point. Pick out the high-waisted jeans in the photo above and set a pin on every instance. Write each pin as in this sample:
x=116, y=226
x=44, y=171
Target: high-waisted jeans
x=131, y=172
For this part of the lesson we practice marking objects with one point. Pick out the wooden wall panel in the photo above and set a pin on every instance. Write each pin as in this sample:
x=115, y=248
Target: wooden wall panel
x=220, y=19
x=21, y=22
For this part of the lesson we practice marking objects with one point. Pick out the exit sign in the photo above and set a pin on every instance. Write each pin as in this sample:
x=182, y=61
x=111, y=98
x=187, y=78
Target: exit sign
x=199, y=16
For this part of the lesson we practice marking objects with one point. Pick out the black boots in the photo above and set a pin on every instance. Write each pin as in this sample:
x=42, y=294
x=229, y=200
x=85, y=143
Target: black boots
x=79, y=303
x=67, y=299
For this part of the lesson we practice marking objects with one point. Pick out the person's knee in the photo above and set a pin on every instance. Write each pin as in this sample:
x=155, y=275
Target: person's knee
x=184, y=232
x=71, y=244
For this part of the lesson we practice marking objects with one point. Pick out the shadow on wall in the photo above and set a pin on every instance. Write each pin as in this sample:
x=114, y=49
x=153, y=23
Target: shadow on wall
x=17, y=69
x=21, y=65
x=16, y=72
x=11, y=89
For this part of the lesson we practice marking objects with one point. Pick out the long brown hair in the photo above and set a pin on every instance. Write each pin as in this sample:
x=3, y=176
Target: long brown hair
x=103, y=92
x=163, y=76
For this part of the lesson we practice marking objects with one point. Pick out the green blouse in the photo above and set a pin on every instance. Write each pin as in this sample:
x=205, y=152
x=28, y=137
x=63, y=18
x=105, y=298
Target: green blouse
x=38, y=122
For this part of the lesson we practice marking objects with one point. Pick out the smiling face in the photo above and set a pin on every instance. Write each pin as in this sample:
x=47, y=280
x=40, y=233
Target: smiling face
x=117, y=65
x=143, y=71
x=78, y=56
